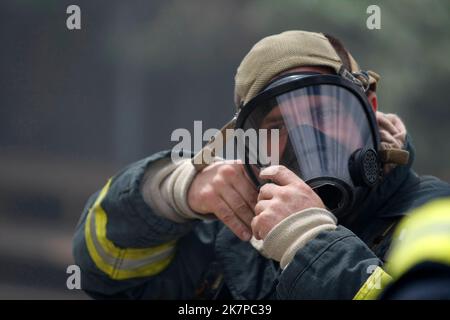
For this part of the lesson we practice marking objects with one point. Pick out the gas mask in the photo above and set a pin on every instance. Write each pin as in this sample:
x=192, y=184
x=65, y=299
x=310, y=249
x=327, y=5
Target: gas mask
x=327, y=135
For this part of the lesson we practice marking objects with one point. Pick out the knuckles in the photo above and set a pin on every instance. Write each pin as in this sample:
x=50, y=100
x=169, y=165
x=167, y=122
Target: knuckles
x=206, y=194
x=259, y=208
x=285, y=193
x=275, y=205
x=218, y=181
x=224, y=173
x=262, y=224
x=254, y=223
x=228, y=170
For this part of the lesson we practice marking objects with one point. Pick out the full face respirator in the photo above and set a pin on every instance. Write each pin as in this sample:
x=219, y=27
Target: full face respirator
x=326, y=133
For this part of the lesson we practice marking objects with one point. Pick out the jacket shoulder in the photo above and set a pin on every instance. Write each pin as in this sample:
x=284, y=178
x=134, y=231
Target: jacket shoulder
x=414, y=192
x=422, y=189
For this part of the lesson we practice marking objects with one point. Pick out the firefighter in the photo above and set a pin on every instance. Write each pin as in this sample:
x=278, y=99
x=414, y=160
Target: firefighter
x=315, y=226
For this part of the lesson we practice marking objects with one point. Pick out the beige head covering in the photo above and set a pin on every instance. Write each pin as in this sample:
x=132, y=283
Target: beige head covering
x=278, y=53
x=270, y=57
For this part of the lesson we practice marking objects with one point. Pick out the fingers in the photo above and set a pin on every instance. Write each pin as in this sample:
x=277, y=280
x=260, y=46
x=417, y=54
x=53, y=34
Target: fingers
x=267, y=216
x=238, y=205
x=281, y=175
x=397, y=122
x=385, y=136
x=261, y=206
x=245, y=188
x=266, y=192
x=223, y=189
x=227, y=216
x=255, y=229
x=237, y=198
x=239, y=193
x=391, y=123
x=385, y=122
x=262, y=224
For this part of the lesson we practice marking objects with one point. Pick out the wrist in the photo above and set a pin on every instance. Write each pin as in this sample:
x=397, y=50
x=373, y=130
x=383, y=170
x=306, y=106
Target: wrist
x=292, y=233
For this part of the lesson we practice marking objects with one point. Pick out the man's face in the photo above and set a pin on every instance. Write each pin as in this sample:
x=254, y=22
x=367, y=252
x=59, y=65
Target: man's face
x=323, y=113
x=339, y=128
x=320, y=126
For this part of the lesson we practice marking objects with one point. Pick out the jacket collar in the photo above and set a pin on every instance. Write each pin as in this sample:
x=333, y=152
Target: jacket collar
x=378, y=202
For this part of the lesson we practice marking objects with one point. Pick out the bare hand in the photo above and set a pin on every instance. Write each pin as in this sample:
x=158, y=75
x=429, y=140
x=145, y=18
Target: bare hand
x=287, y=195
x=224, y=190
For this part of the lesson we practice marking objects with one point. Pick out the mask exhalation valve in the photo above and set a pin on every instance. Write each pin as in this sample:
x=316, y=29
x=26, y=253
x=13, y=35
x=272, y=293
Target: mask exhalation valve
x=364, y=167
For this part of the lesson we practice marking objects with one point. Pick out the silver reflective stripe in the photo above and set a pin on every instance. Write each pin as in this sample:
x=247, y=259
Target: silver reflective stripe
x=124, y=264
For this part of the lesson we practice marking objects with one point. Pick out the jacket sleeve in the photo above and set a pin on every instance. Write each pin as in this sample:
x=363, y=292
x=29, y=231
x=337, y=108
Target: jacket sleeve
x=125, y=250
x=334, y=265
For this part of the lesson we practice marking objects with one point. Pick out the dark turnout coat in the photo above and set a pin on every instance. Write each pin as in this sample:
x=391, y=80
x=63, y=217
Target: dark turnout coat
x=125, y=250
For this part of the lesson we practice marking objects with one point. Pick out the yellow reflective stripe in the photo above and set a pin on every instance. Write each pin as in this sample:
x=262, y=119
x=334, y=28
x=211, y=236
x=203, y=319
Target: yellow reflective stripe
x=373, y=286
x=437, y=211
x=434, y=248
x=422, y=236
x=118, y=262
